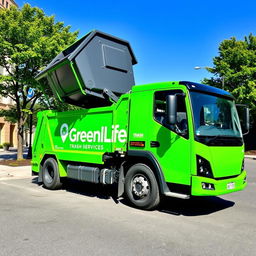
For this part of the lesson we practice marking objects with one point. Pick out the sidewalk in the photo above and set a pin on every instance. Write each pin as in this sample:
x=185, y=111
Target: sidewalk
x=250, y=157
x=10, y=172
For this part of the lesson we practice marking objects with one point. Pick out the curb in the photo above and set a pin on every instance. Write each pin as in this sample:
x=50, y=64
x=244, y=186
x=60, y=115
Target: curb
x=250, y=157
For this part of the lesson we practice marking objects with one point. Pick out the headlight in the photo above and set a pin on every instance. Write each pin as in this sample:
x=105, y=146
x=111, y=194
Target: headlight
x=203, y=167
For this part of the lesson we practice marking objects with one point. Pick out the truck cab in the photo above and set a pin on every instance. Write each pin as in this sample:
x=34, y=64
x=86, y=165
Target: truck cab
x=201, y=152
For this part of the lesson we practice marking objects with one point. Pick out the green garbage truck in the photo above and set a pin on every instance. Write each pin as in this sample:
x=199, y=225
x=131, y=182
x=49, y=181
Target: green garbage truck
x=177, y=139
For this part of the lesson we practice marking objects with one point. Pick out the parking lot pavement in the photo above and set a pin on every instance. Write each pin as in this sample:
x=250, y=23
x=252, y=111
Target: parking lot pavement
x=86, y=220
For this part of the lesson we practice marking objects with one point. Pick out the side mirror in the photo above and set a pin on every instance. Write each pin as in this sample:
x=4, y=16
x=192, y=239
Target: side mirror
x=171, y=105
x=243, y=113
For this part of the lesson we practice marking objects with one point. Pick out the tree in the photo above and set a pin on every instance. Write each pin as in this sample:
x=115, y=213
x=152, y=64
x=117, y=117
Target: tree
x=29, y=40
x=236, y=66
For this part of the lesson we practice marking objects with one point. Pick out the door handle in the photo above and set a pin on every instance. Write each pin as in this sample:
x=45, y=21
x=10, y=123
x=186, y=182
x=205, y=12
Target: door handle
x=154, y=144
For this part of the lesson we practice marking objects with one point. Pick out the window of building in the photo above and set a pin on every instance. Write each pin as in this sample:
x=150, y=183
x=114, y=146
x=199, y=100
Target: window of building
x=3, y=2
x=160, y=116
x=7, y=4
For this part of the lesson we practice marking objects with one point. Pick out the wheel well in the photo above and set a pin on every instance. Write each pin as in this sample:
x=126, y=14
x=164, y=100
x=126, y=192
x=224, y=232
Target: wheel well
x=45, y=157
x=143, y=160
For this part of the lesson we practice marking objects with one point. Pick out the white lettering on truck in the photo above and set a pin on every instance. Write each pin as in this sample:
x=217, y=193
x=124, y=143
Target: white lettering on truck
x=93, y=136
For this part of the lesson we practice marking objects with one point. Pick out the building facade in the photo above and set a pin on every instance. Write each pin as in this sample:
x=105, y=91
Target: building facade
x=8, y=131
x=7, y=3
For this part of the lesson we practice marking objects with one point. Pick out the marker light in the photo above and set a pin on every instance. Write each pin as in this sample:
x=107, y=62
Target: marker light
x=208, y=186
x=242, y=168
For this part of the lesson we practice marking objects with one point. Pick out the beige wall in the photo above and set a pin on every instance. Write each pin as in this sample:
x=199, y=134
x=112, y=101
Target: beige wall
x=8, y=132
x=7, y=3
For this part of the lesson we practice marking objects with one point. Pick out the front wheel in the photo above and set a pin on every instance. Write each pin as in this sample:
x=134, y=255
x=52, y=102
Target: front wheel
x=51, y=176
x=141, y=187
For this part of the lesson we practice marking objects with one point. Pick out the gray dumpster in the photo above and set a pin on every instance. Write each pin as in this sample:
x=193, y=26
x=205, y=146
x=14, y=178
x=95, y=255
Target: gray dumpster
x=88, y=71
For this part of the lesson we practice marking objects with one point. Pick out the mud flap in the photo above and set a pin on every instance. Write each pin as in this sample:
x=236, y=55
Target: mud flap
x=121, y=181
x=40, y=176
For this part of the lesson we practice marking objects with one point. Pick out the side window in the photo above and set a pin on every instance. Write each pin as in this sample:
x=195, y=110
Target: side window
x=181, y=127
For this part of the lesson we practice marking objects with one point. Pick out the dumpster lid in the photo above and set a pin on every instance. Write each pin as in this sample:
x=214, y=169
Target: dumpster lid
x=72, y=51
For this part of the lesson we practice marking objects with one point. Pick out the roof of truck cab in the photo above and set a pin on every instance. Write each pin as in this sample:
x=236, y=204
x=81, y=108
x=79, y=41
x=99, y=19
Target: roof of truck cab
x=155, y=86
x=191, y=86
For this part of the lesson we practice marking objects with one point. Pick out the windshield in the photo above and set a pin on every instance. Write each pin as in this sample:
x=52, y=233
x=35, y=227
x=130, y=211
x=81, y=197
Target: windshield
x=215, y=116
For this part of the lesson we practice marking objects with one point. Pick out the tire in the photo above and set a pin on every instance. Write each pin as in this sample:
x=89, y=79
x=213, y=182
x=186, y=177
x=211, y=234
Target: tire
x=51, y=176
x=141, y=188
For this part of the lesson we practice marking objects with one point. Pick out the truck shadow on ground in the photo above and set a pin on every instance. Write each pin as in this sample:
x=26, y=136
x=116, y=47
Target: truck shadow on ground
x=90, y=189
x=195, y=206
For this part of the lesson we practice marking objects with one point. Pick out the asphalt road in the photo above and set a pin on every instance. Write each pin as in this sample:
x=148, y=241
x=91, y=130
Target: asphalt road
x=88, y=221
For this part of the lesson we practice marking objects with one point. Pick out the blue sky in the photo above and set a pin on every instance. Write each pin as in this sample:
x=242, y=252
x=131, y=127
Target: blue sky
x=169, y=38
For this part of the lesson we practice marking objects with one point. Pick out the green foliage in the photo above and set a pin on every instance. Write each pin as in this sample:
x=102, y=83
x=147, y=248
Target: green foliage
x=236, y=63
x=10, y=114
x=29, y=40
x=6, y=144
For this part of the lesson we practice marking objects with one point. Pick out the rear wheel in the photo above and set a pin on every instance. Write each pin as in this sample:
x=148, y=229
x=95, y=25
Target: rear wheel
x=141, y=187
x=51, y=176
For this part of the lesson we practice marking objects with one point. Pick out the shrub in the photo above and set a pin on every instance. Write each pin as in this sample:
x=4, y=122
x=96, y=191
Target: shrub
x=6, y=144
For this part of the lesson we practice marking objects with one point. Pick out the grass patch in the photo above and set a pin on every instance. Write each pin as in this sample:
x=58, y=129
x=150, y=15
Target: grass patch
x=250, y=152
x=16, y=163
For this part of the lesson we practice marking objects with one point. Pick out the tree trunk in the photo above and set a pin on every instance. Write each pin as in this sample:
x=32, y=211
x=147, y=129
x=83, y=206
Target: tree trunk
x=20, y=140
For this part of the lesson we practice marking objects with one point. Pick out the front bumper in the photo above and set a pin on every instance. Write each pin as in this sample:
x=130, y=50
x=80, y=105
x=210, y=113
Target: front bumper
x=220, y=186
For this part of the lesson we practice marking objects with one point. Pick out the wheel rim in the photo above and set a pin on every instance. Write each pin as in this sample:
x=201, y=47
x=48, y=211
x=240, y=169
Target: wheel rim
x=49, y=173
x=140, y=186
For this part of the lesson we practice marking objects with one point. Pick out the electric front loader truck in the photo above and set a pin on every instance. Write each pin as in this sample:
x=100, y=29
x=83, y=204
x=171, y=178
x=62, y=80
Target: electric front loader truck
x=176, y=139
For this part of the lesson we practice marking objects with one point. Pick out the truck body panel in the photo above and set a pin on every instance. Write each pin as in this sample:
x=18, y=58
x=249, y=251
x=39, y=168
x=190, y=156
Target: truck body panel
x=84, y=137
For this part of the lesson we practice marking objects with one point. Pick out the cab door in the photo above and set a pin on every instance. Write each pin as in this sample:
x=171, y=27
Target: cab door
x=148, y=131
x=172, y=144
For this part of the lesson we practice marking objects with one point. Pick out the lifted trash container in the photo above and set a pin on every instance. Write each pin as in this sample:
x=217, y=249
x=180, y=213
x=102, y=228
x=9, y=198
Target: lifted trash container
x=84, y=73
